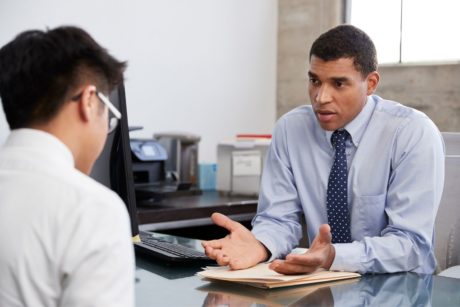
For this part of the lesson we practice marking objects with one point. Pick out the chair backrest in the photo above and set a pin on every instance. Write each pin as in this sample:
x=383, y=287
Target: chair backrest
x=453, y=246
x=449, y=208
x=452, y=142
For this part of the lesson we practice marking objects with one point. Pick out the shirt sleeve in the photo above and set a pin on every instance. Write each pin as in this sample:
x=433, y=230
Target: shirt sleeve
x=98, y=264
x=277, y=222
x=413, y=195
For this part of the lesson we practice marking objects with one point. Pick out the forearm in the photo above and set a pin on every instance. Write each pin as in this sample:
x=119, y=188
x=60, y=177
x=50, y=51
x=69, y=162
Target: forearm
x=387, y=254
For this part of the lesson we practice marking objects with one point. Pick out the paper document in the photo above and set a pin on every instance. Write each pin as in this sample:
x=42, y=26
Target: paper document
x=261, y=276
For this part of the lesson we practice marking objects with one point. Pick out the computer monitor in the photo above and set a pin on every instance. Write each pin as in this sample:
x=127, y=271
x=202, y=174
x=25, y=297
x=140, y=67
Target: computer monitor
x=113, y=167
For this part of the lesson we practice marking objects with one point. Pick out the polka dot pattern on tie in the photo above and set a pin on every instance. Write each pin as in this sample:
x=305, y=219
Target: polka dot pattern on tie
x=337, y=194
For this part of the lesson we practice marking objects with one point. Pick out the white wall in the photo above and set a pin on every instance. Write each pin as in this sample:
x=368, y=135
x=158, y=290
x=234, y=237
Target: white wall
x=202, y=66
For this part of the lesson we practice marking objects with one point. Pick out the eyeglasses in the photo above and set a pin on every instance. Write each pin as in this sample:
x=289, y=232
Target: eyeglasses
x=113, y=120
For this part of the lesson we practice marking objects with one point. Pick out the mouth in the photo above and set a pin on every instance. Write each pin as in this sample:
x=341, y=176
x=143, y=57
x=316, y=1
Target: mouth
x=325, y=116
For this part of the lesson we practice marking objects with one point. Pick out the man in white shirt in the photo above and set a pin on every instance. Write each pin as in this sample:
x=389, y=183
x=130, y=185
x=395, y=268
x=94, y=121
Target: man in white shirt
x=65, y=239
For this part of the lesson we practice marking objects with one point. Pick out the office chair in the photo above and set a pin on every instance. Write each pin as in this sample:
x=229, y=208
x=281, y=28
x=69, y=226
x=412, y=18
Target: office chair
x=452, y=142
x=453, y=253
x=453, y=246
x=447, y=226
x=449, y=208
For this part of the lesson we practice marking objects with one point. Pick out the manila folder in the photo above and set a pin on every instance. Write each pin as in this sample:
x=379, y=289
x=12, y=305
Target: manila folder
x=262, y=277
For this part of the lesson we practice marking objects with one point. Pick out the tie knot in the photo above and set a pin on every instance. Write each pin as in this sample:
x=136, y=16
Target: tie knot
x=338, y=139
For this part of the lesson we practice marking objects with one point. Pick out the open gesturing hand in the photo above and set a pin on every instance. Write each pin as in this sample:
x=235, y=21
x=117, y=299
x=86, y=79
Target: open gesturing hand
x=321, y=254
x=239, y=249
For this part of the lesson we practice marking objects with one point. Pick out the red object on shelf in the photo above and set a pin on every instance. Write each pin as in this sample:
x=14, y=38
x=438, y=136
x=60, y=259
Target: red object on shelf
x=254, y=136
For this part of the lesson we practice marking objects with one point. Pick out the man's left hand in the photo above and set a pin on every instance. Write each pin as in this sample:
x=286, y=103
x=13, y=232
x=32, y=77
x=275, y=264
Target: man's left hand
x=321, y=254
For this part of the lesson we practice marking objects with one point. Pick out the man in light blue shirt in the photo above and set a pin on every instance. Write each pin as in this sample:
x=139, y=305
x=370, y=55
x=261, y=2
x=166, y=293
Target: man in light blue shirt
x=395, y=175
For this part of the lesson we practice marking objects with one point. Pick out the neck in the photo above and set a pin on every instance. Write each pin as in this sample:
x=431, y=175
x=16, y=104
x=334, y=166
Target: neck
x=73, y=141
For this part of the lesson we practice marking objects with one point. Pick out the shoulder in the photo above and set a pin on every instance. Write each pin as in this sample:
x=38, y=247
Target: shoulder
x=299, y=117
x=95, y=216
x=408, y=125
x=86, y=184
x=79, y=196
x=395, y=111
x=392, y=114
x=94, y=194
x=294, y=125
x=303, y=112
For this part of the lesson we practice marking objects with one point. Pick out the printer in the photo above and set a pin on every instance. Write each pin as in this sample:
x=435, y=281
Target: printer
x=149, y=159
x=149, y=166
x=239, y=165
x=149, y=174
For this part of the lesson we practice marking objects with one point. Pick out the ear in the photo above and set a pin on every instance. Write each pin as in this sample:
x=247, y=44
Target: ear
x=372, y=82
x=86, y=104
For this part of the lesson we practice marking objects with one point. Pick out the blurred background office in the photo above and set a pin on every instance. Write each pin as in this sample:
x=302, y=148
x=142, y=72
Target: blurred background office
x=216, y=68
x=206, y=67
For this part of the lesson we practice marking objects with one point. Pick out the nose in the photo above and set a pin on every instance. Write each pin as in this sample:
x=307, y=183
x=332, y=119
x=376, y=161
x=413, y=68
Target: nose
x=323, y=94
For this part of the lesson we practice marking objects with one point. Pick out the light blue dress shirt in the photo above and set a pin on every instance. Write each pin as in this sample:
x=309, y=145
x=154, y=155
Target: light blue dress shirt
x=395, y=181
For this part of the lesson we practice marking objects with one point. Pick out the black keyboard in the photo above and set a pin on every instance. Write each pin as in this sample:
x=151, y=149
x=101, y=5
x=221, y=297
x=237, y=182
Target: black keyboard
x=171, y=251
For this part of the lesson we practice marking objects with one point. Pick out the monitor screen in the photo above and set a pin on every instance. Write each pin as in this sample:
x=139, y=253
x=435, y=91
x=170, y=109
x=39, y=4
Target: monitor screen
x=113, y=168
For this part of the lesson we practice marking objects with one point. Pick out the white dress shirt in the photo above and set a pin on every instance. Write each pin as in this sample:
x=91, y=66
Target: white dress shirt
x=395, y=181
x=65, y=239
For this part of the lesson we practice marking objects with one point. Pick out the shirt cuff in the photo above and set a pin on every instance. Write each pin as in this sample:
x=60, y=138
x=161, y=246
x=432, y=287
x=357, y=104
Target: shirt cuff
x=269, y=244
x=347, y=257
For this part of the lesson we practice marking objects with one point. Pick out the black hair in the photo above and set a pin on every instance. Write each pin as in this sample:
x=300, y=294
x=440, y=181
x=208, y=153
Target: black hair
x=347, y=41
x=39, y=68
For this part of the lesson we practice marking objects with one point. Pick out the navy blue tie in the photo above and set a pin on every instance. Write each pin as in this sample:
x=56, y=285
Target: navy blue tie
x=337, y=192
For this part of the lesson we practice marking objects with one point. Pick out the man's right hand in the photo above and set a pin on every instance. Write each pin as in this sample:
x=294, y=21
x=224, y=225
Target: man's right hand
x=239, y=249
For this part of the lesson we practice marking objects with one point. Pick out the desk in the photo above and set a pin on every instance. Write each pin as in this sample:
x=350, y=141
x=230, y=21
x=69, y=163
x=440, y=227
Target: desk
x=194, y=210
x=159, y=285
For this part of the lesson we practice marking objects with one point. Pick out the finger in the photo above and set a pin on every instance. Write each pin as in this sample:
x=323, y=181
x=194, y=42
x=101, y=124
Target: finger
x=213, y=243
x=274, y=264
x=225, y=222
x=290, y=269
x=210, y=252
x=324, y=235
x=222, y=259
x=308, y=259
x=241, y=263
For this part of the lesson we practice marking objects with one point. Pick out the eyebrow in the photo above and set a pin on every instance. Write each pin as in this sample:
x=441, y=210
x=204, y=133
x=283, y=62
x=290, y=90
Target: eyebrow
x=339, y=79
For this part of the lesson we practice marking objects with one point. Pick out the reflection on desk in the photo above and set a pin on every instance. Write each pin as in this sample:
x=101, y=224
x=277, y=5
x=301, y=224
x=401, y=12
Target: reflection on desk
x=226, y=294
x=405, y=289
x=158, y=285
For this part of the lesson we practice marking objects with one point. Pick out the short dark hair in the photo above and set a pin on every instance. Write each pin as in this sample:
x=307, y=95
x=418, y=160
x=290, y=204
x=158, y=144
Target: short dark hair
x=38, y=69
x=347, y=41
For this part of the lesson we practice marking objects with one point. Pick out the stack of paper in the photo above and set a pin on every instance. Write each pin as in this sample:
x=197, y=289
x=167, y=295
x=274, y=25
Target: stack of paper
x=261, y=276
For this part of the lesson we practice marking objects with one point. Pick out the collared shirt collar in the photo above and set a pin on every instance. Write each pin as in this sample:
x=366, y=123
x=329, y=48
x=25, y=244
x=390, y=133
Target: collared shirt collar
x=357, y=126
x=42, y=141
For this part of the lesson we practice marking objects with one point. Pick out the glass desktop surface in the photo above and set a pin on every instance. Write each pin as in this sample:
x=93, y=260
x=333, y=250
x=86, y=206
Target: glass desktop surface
x=158, y=284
